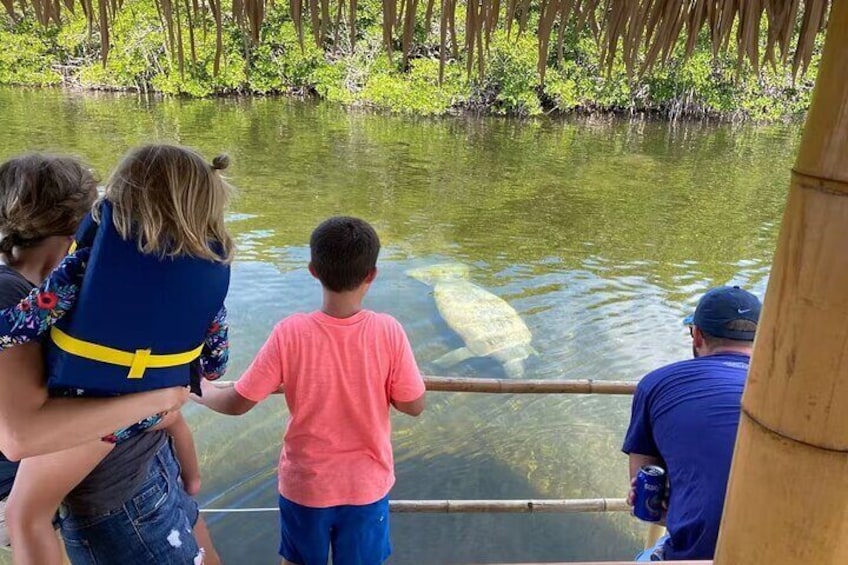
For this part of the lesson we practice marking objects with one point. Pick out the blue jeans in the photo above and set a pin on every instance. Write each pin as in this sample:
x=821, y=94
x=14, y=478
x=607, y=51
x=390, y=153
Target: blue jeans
x=154, y=526
x=654, y=553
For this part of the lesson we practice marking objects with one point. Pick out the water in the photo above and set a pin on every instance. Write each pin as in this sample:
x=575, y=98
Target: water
x=600, y=234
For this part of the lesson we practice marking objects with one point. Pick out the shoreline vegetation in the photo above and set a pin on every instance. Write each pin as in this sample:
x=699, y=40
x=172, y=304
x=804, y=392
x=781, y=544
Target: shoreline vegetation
x=703, y=87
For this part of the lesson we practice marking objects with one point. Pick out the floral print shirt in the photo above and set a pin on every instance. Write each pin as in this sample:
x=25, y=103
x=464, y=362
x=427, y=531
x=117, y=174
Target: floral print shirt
x=34, y=315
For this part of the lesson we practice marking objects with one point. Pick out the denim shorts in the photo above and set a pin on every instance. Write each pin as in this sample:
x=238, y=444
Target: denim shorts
x=358, y=535
x=653, y=553
x=153, y=527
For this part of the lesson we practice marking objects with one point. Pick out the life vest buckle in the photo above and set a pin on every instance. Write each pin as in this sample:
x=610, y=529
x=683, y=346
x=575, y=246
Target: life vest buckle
x=139, y=363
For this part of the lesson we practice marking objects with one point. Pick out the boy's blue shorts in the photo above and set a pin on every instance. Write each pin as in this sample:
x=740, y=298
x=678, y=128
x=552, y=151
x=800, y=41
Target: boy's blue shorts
x=358, y=535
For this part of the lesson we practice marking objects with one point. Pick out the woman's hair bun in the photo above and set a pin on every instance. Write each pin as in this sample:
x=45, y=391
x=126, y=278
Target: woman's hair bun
x=221, y=162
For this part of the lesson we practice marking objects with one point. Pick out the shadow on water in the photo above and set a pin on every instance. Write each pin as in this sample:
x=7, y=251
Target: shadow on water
x=440, y=538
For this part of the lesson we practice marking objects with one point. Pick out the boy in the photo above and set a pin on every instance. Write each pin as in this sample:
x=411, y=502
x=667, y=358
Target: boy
x=340, y=369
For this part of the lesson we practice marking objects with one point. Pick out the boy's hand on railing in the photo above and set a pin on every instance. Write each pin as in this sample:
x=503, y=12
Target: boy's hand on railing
x=206, y=387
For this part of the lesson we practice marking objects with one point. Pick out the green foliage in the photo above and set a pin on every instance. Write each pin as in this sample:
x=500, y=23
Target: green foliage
x=278, y=63
x=25, y=57
x=140, y=59
x=416, y=91
x=512, y=76
x=330, y=82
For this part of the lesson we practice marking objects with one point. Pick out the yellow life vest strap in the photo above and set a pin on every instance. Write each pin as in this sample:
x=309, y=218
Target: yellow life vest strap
x=137, y=361
x=73, y=247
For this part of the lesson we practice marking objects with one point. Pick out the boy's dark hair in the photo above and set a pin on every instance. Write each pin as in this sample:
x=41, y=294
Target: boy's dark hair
x=343, y=252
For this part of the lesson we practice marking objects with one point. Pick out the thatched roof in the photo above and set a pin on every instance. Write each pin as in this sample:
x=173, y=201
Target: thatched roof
x=644, y=32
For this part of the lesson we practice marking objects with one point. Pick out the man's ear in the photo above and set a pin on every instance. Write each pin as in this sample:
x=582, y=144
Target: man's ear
x=312, y=270
x=697, y=337
x=372, y=274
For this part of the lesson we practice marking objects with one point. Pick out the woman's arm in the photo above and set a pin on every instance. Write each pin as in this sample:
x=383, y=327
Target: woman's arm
x=33, y=424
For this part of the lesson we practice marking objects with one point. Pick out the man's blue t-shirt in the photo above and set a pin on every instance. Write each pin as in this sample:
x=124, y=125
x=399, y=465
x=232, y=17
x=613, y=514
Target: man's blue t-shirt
x=687, y=414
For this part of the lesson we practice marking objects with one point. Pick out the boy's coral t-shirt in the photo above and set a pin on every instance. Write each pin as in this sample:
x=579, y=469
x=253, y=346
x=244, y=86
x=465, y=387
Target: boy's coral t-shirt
x=339, y=376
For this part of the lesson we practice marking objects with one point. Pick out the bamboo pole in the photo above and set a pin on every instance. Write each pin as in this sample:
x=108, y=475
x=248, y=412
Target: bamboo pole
x=535, y=506
x=788, y=492
x=520, y=386
x=528, y=386
x=577, y=506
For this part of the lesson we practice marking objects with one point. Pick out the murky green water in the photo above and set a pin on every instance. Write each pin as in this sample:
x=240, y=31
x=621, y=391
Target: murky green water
x=600, y=235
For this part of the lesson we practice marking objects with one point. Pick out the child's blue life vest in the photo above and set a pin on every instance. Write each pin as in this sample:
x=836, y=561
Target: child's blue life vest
x=140, y=320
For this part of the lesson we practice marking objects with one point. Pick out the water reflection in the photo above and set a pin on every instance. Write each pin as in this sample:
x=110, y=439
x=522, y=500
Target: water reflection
x=601, y=235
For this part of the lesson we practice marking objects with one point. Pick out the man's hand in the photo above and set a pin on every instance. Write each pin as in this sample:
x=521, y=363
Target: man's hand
x=631, y=495
x=631, y=501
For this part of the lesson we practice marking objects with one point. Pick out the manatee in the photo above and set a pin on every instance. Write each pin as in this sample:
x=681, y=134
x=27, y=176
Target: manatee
x=488, y=325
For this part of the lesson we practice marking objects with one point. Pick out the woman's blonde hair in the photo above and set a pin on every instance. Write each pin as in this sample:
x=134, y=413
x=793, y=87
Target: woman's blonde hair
x=172, y=202
x=42, y=196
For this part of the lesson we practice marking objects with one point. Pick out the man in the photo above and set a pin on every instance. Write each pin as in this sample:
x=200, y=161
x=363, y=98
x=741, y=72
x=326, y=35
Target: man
x=684, y=419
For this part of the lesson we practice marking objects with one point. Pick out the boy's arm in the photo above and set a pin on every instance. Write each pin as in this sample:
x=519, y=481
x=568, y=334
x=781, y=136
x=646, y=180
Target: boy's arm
x=177, y=428
x=263, y=378
x=413, y=408
x=223, y=398
x=407, y=392
x=33, y=316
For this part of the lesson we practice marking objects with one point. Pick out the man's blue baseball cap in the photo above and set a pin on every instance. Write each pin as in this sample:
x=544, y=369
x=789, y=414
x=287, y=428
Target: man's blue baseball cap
x=720, y=307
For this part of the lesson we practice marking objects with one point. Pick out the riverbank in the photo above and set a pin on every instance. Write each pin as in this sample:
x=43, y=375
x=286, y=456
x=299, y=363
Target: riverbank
x=364, y=76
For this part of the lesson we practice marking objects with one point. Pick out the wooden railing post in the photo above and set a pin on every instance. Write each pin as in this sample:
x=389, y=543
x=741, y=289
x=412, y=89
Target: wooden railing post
x=787, y=498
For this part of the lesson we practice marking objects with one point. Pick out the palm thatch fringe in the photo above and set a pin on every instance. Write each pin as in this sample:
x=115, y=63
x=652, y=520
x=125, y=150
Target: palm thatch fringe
x=644, y=32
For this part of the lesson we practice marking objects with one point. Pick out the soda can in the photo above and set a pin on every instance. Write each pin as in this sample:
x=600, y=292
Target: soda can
x=650, y=492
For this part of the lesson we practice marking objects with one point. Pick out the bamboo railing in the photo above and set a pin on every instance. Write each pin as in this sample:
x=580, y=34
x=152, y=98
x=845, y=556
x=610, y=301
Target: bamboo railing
x=520, y=386
x=528, y=386
x=533, y=506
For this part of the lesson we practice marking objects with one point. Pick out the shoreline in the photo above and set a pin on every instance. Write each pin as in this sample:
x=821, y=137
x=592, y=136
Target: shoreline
x=596, y=114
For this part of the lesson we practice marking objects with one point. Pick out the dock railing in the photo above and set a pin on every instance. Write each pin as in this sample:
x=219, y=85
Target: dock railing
x=507, y=386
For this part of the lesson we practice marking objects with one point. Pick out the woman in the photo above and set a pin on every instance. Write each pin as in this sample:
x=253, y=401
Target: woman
x=42, y=201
